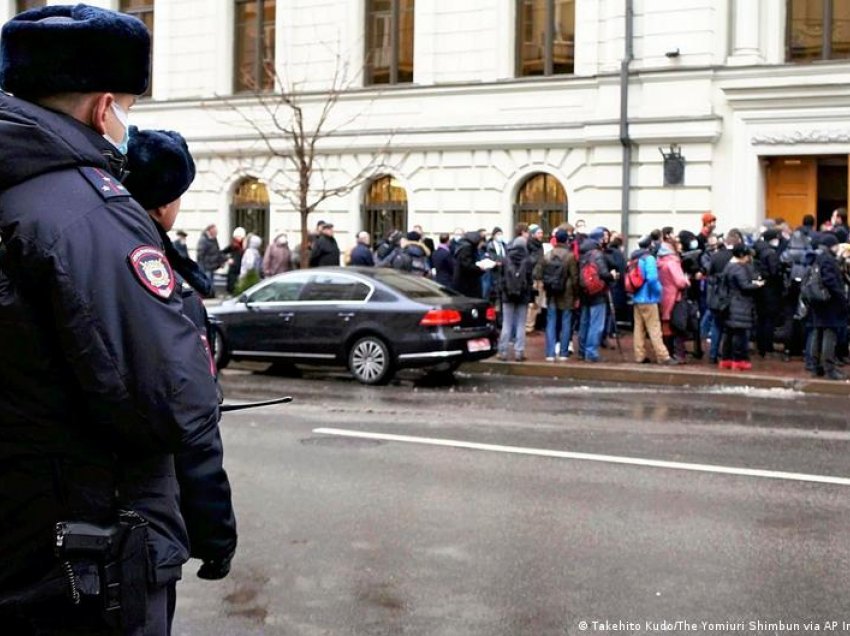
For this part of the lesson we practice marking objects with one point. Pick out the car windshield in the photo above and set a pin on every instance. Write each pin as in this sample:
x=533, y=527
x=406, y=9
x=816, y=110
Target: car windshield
x=413, y=286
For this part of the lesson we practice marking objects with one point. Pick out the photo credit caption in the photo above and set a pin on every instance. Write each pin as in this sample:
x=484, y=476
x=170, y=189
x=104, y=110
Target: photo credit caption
x=679, y=626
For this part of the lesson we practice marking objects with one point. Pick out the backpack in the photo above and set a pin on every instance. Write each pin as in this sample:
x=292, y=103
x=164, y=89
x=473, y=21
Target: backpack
x=402, y=261
x=812, y=289
x=718, y=298
x=515, y=283
x=634, y=279
x=794, y=257
x=554, y=275
x=590, y=280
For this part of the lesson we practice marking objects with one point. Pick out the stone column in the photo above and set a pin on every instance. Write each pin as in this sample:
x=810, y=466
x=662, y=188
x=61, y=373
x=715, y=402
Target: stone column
x=746, y=31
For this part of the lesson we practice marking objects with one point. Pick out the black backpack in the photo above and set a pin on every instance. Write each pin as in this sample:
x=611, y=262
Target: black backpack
x=812, y=289
x=718, y=297
x=515, y=283
x=554, y=275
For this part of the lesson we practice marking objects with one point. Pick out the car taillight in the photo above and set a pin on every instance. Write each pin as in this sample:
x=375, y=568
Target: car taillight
x=440, y=318
x=491, y=314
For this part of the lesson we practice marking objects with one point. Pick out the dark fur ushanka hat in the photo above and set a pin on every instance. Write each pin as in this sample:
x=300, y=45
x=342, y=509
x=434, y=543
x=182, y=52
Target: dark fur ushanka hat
x=160, y=166
x=74, y=49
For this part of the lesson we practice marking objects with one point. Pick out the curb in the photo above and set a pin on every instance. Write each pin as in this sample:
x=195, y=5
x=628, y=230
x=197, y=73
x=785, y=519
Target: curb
x=617, y=373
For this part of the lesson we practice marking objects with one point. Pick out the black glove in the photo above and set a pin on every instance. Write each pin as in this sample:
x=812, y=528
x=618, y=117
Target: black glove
x=215, y=569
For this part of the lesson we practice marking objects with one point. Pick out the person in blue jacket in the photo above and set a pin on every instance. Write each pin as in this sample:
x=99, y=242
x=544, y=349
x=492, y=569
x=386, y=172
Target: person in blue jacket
x=103, y=380
x=645, y=304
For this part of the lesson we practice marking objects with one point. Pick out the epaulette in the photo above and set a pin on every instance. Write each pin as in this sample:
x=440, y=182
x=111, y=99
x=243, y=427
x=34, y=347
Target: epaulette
x=106, y=185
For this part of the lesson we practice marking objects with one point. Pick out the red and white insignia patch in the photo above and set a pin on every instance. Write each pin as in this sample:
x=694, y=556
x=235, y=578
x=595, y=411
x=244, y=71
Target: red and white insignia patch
x=151, y=267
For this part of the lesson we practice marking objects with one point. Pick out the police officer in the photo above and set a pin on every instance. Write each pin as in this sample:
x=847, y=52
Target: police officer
x=160, y=170
x=102, y=378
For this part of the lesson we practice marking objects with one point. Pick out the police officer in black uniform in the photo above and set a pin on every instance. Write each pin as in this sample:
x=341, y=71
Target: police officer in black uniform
x=103, y=379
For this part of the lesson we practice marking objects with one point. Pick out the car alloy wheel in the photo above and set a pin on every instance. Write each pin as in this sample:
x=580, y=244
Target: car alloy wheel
x=369, y=361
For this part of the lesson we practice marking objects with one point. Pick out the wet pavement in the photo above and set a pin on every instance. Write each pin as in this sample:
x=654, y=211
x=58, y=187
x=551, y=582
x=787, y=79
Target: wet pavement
x=342, y=535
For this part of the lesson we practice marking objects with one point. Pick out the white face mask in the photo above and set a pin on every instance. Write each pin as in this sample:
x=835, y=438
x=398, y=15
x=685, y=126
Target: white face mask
x=124, y=120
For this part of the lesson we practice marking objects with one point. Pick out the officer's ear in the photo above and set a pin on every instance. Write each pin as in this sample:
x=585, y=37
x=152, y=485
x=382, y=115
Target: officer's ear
x=100, y=109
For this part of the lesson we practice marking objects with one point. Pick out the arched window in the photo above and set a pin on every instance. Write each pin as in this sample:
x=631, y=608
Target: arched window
x=389, y=41
x=817, y=30
x=385, y=208
x=142, y=9
x=250, y=207
x=253, y=64
x=541, y=200
x=546, y=35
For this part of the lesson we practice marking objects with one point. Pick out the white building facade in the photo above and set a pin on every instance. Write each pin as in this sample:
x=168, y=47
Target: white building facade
x=487, y=112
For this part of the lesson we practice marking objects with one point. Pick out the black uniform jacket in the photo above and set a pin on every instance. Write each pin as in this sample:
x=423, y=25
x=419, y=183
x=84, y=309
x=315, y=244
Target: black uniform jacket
x=103, y=379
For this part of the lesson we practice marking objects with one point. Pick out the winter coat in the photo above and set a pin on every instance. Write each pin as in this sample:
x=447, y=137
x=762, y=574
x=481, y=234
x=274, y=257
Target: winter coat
x=568, y=298
x=210, y=256
x=103, y=378
x=617, y=262
x=672, y=278
x=742, y=292
x=650, y=292
x=278, y=258
x=325, y=252
x=535, y=253
x=252, y=261
x=444, y=265
x=590, y=251
x=361, y=256
x=517, y=254
x=831, y=314
x=767, y=265
x=467, y=275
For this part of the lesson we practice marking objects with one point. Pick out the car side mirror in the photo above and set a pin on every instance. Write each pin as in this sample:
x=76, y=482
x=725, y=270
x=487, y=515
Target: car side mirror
x=244, y=299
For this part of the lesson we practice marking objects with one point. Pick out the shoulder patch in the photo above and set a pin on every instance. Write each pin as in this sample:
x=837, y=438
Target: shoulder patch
x=106, y=185
x=153, y=270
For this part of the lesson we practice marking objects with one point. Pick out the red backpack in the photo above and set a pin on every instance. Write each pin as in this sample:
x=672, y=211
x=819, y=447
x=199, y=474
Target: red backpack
x=634, y=279
x=590, y=280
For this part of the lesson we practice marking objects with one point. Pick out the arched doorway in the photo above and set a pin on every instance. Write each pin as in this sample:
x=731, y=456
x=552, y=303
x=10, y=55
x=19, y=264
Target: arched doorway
x=385, y=208
x=250, y=208
x=542, y=200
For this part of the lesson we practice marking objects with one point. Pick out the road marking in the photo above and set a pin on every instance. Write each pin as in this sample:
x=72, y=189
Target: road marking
x=608, y=459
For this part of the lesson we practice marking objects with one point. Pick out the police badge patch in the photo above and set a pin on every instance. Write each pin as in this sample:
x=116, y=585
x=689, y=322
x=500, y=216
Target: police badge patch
x=151, y=267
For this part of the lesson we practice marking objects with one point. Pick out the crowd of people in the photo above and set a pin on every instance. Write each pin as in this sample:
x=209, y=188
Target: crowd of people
x=687, y=295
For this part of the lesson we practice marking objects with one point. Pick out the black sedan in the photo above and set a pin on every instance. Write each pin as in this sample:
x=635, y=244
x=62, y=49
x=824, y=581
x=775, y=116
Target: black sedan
x=372, y=320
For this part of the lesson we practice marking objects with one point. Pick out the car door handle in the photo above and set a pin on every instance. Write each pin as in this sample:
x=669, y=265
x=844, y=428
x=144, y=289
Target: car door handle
x=346, y=316
x=286, y=314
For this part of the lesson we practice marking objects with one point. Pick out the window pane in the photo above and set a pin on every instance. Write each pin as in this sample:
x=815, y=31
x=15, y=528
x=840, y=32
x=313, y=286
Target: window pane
x=840, y=29
x=563, y=47
x=286, y=290
x=532, y=37
x=405, y=41
x=26, y=5
x=413, y=286
x=805, y=22
x=143, y=10
x=269, y=10
x=247, y=46
x=379, y=46
x=335, y=288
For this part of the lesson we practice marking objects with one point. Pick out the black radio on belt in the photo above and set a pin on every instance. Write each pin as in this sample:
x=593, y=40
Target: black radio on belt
x=110, y=562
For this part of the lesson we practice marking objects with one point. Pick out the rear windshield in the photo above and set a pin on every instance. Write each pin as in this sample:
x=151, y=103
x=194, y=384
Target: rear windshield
x=413, y=286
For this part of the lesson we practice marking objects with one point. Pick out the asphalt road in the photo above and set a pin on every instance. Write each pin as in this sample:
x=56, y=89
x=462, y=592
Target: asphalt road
x=342, y=535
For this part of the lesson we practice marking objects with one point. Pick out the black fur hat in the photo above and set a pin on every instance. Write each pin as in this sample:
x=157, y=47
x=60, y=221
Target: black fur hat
x=160, y=165
x=74, y=49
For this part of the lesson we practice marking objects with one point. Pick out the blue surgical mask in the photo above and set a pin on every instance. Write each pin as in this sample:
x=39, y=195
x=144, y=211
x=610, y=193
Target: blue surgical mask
x=124, y=119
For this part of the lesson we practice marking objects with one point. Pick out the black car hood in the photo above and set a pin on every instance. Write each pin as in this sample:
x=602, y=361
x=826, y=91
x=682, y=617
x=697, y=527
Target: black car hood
x=35, y=140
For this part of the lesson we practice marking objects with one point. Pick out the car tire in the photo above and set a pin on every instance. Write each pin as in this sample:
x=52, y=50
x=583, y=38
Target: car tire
x=221, y=355
x=369, y=361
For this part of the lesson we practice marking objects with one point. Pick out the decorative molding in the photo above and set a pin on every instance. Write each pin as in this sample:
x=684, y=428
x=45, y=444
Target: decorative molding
x=835, y=136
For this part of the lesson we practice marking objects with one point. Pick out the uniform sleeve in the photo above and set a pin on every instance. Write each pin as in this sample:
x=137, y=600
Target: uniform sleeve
x=142, y=369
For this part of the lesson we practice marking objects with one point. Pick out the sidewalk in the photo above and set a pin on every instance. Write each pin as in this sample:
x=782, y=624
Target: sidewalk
x=769, y=373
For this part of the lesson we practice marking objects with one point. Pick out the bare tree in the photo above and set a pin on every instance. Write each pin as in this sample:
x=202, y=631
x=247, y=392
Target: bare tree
x=292, y=126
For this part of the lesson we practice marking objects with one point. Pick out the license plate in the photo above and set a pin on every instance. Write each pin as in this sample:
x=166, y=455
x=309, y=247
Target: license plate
x=479, y=344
